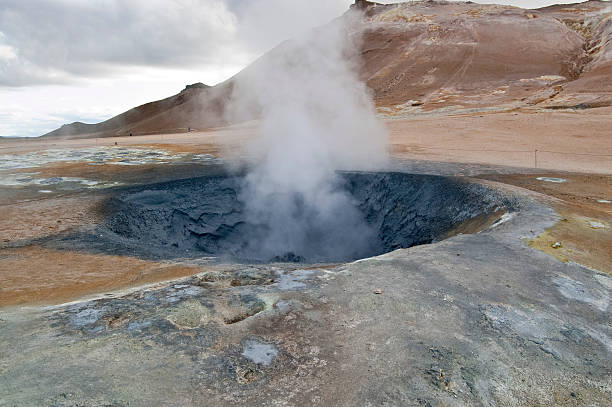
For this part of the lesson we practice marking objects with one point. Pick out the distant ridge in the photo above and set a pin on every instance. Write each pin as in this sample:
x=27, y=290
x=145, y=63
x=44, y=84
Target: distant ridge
x=196, y=106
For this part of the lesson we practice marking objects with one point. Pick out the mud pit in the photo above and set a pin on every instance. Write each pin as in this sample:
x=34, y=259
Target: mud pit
x=476, y=319
x=206, y=217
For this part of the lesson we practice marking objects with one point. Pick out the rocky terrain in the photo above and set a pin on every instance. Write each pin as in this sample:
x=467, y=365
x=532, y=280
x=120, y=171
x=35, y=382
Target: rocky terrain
x=433, y=56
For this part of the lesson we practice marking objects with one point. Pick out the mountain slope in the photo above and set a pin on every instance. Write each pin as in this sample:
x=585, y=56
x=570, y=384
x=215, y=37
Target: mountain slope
x=474, y=56
x=424, y=56
x=197, y=106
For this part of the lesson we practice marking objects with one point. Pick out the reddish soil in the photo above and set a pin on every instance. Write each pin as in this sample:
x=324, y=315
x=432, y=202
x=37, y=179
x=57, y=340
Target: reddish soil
x=46, y=216
x=33, y=275
x=584, y=234
x=566, y=141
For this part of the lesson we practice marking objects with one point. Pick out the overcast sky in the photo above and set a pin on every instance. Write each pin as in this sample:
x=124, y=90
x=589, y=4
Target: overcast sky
x=87, y=60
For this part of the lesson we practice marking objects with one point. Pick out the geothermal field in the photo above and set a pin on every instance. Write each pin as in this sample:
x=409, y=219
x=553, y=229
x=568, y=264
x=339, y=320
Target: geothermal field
x=410, y=205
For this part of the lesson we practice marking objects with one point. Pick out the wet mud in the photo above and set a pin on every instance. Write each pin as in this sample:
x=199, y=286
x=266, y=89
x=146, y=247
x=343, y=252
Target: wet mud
x=206, y=217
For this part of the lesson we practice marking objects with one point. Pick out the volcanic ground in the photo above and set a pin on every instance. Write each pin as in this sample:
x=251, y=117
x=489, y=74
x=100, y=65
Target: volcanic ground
x=131, y=275
x=456, y=301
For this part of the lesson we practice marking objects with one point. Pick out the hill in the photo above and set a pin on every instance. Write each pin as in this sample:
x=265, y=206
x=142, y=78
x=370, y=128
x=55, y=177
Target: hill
x=420, y=57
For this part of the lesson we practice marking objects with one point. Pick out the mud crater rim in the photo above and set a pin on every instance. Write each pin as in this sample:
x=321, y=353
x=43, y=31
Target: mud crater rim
x=204, y=217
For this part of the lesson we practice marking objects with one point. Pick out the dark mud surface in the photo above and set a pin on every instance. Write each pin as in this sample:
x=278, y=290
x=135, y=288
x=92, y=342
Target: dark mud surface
x=206, y=217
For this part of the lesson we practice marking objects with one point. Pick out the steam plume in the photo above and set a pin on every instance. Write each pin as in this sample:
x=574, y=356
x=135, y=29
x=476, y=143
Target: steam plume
x=317, y=117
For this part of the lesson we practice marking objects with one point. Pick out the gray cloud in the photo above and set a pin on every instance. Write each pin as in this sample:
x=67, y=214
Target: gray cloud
x=64, y=41
x=70, y=41
x=56, y=41
x=265, y=23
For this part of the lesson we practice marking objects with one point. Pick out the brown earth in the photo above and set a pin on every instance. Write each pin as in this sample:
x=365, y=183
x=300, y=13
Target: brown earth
x=34, y=275
x=584, y=234
x=30, y=274
x=461, y=54
x=578, y=140
x=46, y=216
x=218, y=141
x=567, y=141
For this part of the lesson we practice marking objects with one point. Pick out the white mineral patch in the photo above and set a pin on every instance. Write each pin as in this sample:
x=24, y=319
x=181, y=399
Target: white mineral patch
x=604, y=201
x=65, y=181
x=596, y=224
x=575, y=290
x=51, y=181
x=126, y=162
x=550, y=78
x=98, y=155
x=88, y=182
x=28, y=179
x=504, y=218
x=16, y=179
x=550, y=179
x=545, y=78
x=259, y=352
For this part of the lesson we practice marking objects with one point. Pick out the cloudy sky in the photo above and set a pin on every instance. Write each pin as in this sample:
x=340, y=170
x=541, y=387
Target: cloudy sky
x=87, y=60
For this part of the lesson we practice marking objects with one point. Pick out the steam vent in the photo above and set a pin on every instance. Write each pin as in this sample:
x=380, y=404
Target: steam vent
x=403, y=204
x=206, y=217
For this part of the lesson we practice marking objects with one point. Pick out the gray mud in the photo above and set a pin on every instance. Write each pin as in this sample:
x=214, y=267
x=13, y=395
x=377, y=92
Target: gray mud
x=206, y=217
x=475, y=320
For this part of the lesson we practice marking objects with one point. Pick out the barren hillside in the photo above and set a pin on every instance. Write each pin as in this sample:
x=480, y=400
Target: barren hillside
x=435, y=56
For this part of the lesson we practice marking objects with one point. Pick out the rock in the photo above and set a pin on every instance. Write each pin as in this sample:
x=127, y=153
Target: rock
x=252, y=276
x=189, y=314
x=198, y=85
x=241, y=308
x=362, y=4
x=211, y=277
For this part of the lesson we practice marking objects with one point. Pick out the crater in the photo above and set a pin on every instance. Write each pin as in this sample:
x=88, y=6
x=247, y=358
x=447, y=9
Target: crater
x=208, y=217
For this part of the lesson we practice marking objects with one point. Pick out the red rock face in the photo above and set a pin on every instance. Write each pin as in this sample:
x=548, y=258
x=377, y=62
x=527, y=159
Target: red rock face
x=592, y=86
x=434, y=55
x=472, y=55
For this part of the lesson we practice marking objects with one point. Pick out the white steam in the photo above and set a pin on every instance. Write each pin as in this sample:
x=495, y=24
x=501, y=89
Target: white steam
x=317, y=117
